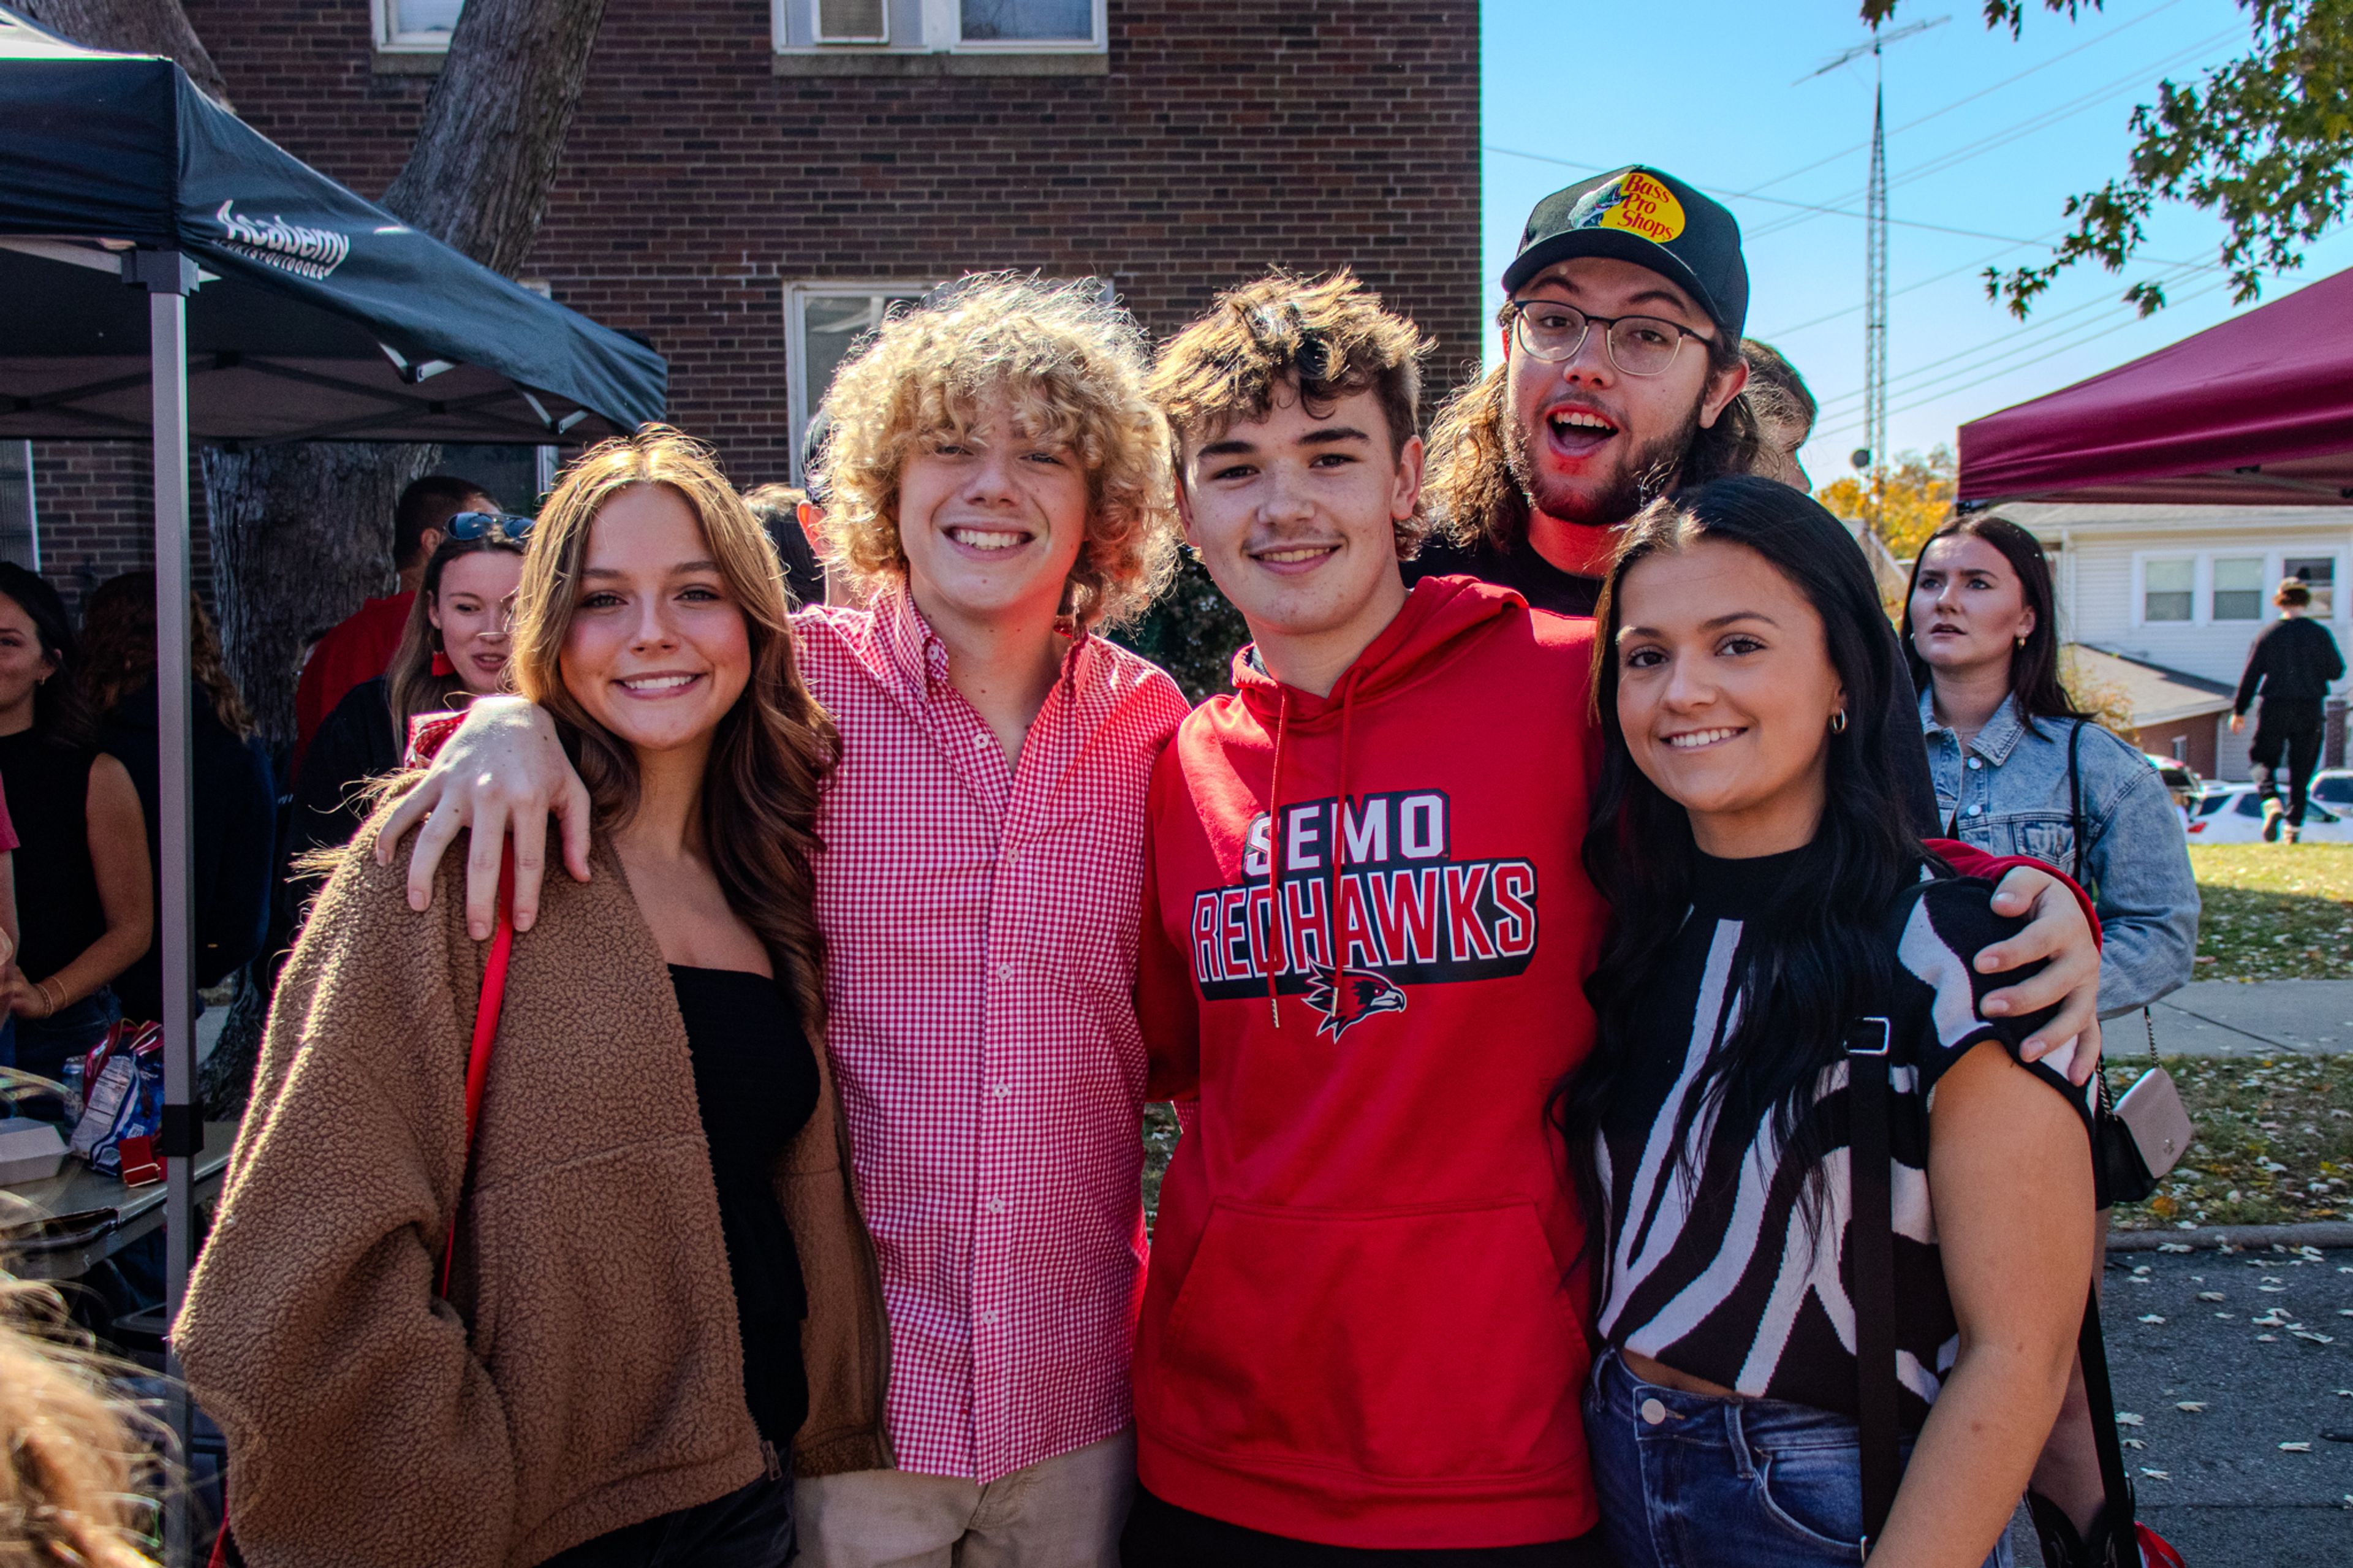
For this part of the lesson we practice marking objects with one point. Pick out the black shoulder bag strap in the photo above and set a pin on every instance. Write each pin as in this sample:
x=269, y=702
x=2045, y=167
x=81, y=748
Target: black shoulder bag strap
x=2075, y=799
x=1870, y=1152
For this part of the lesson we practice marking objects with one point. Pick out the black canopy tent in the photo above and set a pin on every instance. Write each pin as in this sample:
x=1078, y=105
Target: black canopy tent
x=277, y=306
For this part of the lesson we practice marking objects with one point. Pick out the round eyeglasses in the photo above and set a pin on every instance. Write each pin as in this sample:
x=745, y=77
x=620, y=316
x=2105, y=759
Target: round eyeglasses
x=472, y=525
x=1638, y=346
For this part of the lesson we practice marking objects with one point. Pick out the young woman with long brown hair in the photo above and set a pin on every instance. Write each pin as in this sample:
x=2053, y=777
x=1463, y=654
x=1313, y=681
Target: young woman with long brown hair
x=660, y=1289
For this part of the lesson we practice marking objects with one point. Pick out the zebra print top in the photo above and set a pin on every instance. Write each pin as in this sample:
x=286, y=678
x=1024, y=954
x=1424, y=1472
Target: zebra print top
x=1711, y=1265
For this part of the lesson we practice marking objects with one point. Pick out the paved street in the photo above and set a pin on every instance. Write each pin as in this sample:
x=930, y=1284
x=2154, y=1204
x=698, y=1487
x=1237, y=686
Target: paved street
x=2215, y=1481
x=2264, y=1018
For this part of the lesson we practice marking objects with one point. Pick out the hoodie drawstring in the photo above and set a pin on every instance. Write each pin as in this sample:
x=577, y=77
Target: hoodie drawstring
x=1274, y=855
x=1332, y=927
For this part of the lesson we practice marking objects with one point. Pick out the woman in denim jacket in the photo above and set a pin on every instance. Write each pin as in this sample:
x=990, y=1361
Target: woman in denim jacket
x=2020, y=772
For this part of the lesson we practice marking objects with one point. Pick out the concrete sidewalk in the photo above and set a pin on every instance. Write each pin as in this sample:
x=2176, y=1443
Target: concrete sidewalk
x=2261, y=1018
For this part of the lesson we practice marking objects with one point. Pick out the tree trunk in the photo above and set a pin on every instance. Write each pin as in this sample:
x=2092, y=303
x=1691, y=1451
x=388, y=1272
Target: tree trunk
x=300, y=535
x=132, y=27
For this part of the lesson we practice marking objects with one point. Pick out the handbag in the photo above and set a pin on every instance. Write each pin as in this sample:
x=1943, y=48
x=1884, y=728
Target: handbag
x=2138, y=1139
x=477, y=1073
x=2118, y=1538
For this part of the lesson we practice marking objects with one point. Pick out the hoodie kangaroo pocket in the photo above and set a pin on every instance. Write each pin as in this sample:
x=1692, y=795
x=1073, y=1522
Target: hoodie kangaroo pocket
x=1416, y=1345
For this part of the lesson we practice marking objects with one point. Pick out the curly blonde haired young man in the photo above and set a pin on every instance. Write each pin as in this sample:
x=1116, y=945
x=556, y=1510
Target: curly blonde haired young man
x=998, y=489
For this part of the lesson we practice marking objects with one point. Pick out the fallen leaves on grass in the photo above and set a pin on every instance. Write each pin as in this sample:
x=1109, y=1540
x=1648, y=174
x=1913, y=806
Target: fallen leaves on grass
x=2268, y=1151
x=2274, y=911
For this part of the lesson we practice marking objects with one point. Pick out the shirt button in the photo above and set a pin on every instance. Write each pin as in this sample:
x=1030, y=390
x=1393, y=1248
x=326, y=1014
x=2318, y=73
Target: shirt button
x=997, y=1206
x=1977, y=762
x=1976, y=811
x=1001, y=1090
x=1653, y=1413
x=986, y=1319
x=1004, y=970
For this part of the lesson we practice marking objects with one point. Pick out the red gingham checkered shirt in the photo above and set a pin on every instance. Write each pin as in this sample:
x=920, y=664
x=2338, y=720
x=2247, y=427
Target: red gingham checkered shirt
x=981, y=928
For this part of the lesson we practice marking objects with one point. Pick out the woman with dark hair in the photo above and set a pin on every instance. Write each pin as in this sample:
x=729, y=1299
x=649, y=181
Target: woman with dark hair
x=455, y=648
x=1770, y=914
x=2019, y=771
x=661, y=1302
x=81, y=871
x=235, y=801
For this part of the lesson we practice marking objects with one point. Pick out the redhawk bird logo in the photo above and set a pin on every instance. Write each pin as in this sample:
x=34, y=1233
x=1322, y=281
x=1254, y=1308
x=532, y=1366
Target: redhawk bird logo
x=1351, y=996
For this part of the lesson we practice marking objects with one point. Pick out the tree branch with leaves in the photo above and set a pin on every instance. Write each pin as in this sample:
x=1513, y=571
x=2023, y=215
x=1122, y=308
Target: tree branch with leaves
x=2264, y=144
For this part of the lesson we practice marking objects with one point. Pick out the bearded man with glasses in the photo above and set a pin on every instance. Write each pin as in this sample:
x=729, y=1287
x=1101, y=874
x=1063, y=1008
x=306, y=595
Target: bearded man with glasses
x=1621, y=381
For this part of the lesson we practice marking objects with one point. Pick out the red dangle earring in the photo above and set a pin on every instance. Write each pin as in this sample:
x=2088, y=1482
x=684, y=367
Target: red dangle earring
x=441, y=665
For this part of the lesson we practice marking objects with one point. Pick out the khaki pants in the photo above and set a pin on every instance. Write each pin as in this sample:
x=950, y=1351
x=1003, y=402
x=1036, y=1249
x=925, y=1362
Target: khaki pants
x=1062, y=1512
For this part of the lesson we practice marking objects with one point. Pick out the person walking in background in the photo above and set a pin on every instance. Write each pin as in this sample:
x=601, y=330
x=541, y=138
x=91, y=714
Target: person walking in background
x=1756, y=881
x=235, y=837
x=2290, y=667
x=999, y=493
x=84, y=837
x=455, y=648
x=660, y=1291
x=361, y=646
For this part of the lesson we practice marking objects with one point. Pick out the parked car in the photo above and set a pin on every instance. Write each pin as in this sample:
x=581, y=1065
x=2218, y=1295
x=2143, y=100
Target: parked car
x=2333, y=786
x=2233, y=814
x=2182, y=780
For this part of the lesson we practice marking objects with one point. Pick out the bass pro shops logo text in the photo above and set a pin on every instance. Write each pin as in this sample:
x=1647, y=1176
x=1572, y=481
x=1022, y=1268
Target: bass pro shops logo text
x=1401, y=910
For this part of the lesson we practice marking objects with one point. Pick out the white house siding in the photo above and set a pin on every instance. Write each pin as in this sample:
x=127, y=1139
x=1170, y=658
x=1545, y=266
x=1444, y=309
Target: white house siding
x=2102, y=553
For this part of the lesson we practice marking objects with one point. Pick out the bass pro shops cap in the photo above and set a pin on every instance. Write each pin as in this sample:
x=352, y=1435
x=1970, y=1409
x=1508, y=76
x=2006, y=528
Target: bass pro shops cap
x=1651, y=218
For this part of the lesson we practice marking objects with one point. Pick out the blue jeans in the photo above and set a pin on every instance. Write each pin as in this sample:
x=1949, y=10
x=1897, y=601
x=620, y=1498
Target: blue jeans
x=1753, y=1482
x=751, y=1527
x=42, y=1045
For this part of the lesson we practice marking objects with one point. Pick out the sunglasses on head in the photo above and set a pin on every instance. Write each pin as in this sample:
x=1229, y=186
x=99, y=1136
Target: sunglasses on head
x=469, y=526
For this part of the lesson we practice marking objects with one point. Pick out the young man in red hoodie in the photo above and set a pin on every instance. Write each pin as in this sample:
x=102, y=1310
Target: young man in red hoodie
x=1366, y=929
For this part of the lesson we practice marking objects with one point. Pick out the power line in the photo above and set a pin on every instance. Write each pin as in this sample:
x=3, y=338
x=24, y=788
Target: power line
x=1971, y=97
x=1996, y=373
x=1910, y=288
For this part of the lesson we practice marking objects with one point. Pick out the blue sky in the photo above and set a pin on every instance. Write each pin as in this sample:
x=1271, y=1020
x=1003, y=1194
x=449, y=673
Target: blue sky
x=1709, y=90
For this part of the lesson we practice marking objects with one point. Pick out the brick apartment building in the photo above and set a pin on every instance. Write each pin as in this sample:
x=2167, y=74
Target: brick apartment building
x=749, y=183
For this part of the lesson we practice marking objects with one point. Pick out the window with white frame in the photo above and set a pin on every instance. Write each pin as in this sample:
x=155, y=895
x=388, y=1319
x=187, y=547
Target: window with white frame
x=2317, y=573
x=937, y=26
x=415, y=27
x=2238, y=588
x=2169, y=588
x=823, y=322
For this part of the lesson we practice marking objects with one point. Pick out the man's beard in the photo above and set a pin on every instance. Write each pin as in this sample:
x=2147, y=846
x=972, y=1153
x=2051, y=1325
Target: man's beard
x=1648, y=473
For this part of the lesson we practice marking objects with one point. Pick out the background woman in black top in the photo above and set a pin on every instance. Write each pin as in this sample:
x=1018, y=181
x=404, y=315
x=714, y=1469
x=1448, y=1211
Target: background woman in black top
x=1743, y=836
x=82, y=895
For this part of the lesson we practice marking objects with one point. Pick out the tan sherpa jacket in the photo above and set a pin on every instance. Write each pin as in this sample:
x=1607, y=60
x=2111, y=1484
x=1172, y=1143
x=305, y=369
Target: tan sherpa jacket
x=586, y=1372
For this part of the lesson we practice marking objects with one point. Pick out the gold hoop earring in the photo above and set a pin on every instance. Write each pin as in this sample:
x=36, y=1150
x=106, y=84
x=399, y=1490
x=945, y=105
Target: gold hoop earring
x=1838, y=722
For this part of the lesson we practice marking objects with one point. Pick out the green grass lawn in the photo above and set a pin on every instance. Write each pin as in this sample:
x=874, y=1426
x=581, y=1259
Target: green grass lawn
x=2274, y=911
x=2274, y=1142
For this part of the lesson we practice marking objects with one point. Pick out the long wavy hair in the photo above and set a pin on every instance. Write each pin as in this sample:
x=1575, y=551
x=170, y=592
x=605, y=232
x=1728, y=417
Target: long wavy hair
x=774, y=748
x=2033, y=669
x=1470, y=493
x=1808, y=973
x=75, y=1456
x=414, y=688
x=118, y=651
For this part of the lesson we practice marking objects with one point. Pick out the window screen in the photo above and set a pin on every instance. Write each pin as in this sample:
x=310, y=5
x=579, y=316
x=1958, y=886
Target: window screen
x=2238, y=588
x=2166, y=586
x=420, y=21
x=1050, y=21
x=2317, y=573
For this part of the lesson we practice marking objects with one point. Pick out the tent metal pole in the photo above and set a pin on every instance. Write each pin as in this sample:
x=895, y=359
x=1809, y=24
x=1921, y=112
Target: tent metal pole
x=169, y=276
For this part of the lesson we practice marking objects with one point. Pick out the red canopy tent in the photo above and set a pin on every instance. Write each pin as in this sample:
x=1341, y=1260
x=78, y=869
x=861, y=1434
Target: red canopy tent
x=2258, y=410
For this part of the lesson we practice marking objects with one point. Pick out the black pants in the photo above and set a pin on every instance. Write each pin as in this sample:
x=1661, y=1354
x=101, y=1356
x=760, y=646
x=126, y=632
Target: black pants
x=751, y=1528
x=1162, y=1535
x=2289, y=732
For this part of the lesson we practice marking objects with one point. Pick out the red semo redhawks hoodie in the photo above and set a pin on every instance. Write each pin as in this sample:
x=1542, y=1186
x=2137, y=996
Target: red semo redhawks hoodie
x=1359, y=1326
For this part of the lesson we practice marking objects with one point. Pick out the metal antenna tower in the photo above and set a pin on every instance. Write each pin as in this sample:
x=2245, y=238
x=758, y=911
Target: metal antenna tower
x=1873, y=454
